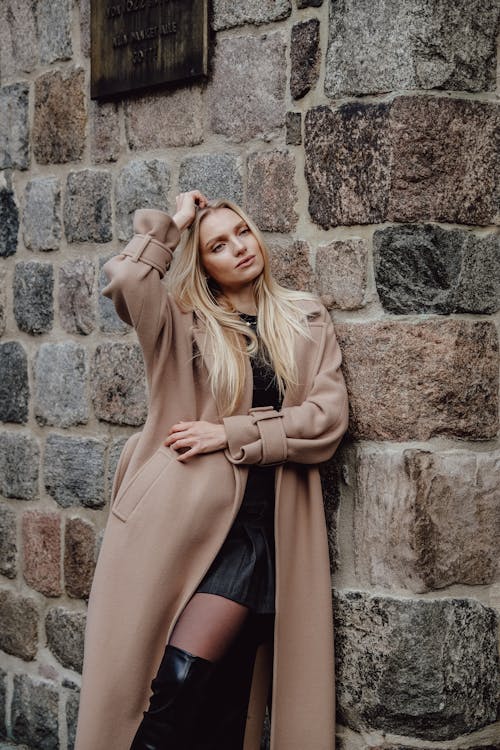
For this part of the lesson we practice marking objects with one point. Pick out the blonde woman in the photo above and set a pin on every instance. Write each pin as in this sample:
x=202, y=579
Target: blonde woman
x=211, y=596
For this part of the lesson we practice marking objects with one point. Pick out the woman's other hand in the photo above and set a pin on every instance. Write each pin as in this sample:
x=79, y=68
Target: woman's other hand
x=198, y=437
x=186, y=204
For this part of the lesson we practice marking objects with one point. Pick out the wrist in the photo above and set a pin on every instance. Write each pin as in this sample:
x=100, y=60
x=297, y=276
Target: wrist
x=181, y=220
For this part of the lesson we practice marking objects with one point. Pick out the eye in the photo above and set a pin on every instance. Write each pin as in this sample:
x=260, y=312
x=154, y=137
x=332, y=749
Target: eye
x=215, y=247
x=245, y=229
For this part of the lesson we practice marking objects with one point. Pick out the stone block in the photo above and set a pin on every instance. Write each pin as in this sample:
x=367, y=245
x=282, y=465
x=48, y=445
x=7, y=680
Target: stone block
x=17, y=21
x=109, y=320
x=33, y=296
x=74, y=470
x=72, y=706
x=427, y=269
x=18, y=625
x=14, y=388
x=18, y=449
x=272, y=191
x=60, y=116
x=215, y=175
x=3, y=706
x=165, y=119
x=247, y=91
x=76, y=296
x=87, y=206
x=14, y=126
x=293, y=124
x=330, y=474
x=340, y=274
x=291, y=267
x=410, y=44
x=9, y=219
x=119, y=384
x=414, y=381
x=141, y=183
x=65, y=634
x=104, y=131
x=227, y=14
x=79, y=557
x=3, y=300
x=60, y=372
x=424, y=668
x=309, y=3
x=8, y=543
x=305, y=56
x=84, y=6
x=41, y=216
x=54, y=30
x=113, y=458
x=41, y=545
x=35, y=713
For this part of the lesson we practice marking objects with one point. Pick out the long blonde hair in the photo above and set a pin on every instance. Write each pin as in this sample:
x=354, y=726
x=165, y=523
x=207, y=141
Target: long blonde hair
x=278, y=316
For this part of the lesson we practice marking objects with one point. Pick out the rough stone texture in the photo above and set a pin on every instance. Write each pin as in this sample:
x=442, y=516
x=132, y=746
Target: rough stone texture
x=141, y=183
x=17, y=449
x=113, y=458
x=72, y=706
x=18, y=625
x=305, y=56
x=227, y=14
x=341, y=268
x=415, y=158
x=168, y=118
x=247, y=91
x=293, y=124
x=330, y=473
x=425, y=45
x=17, y=22
x=3, y=300
x=9, y=218
x=272, y=191
x=41, y=215
x=87, y=206
x=14, y=127
x=85, y=27
x=427, y=520
x=14, y=388
x=59, y=117
x=8, y=544
x=35, y=713
x=421, y=668
x=417, y=380
x=54, y=29
x=309, y=3
x=76, y=296
x=74, y=470
x=433, y=270
x=33, y=292
x=291, y=267
x=110, y=322
x=104, y=131
x=60, y=384
x=216, y=175
x=3, y=697
x=118, y=384
x=65, y=632
x=79, y=557
x=41, y=544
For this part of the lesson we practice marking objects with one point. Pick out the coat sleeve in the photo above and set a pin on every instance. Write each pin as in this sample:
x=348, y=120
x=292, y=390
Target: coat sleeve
x=309, y=433
x=135, y=274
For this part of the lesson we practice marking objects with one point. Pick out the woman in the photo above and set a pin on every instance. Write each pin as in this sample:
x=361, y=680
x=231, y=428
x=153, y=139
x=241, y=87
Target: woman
x=215, y=550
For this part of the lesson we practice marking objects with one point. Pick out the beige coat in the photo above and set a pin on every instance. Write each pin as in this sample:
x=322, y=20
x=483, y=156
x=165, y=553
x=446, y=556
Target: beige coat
x=168, y=519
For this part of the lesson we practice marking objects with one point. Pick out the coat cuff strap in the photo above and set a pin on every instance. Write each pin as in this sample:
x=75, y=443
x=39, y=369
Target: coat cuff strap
x=270, y=425
x=144, y=247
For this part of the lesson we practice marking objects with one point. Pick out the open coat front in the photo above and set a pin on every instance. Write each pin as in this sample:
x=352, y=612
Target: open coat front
x=168, y=519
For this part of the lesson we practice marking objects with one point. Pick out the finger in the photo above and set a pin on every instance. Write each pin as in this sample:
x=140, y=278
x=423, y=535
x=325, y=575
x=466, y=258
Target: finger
x=187, y=454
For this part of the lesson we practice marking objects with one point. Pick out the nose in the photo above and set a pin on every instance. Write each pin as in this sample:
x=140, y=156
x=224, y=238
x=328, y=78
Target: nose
x=239, y=244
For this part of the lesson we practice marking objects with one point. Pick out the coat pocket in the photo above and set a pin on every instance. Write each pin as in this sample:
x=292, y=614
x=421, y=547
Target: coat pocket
x=139, y=486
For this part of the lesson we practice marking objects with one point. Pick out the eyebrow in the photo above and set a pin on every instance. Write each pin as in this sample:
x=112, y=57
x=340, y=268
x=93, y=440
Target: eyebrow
x=217, y=237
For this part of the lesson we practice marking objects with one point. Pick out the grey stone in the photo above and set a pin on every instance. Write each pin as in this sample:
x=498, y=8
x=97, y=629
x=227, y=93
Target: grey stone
x=17, y=449
x=76, y=296
x=247, y=91
x=60, y=384
x=8, y=543
x=159, y=120
x=14, y=388
x=272, y=191
x=60, y=116
x=293, y=123
x=18, y=38
x=54, y=29
x=3, y=300
x=3, y=707
x=216, y=175
x=84, y=6
x=142, y=183
x=74, y=470
x=35, y=713
x=305, y=57
x=341, y=270
x=227, y=14
x=14, y=128
x=330, y=475
x=65, y=633
x=118, y=384
x=104, y=131
x=87, y=206
x=427, y=269
x=79, y=557
x=72, y=706
x=388, y=45
x=18, y=625
x=33, y=291
x=290, y=265
x=309, y=3
x=9, y=219
x=41, y=217
x=114, y=454
x=425, y=668
x=110, y=321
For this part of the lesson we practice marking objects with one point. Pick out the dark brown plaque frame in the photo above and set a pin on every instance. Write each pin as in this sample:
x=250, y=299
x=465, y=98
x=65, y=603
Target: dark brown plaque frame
x=138, y=44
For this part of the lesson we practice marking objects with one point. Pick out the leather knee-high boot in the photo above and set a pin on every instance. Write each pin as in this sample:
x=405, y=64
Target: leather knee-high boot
x=178, y=692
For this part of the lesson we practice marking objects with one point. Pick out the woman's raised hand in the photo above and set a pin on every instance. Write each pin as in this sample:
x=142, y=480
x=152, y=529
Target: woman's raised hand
x=196, y=437
x=186, y=207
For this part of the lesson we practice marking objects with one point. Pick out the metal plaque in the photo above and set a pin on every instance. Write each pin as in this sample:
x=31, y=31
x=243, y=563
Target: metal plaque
x=137, y=44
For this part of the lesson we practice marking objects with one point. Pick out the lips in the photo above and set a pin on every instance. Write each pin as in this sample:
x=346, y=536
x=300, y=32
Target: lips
x=245, y=261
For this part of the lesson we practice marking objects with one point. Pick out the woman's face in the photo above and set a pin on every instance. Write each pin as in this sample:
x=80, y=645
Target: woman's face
x=225, y=242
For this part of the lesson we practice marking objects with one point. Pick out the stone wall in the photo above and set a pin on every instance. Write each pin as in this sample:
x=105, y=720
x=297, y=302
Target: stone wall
x=360, y=136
